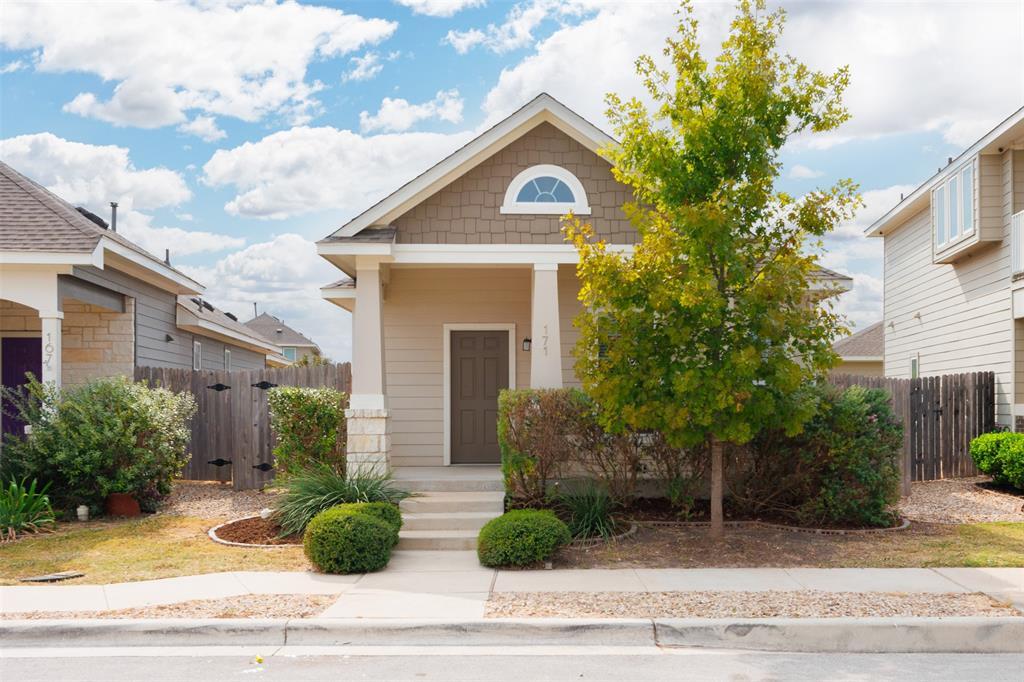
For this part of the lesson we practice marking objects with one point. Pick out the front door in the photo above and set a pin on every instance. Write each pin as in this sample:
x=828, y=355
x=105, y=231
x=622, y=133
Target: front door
x=479, y=366
x=17, y=356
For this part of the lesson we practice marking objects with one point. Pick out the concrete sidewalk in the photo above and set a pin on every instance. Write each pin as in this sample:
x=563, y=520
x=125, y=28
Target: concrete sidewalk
x=452, y=585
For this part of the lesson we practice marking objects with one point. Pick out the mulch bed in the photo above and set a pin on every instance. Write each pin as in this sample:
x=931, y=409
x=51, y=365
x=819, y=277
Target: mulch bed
x=256, y=531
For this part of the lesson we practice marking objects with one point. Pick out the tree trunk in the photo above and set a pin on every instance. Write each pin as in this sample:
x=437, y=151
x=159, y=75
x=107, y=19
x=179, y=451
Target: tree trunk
x=717, y=519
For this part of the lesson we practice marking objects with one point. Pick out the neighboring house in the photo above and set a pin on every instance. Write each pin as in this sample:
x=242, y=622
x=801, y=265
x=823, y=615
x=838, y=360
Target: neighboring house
x=461, y=285
x=862, y=353
x=954, y=263
x=79, y=301
x=294, y=345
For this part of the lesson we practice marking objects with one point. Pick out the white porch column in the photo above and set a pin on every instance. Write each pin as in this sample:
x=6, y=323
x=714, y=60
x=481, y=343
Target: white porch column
x=546, y=346
x=51, y=323
x=369, y=439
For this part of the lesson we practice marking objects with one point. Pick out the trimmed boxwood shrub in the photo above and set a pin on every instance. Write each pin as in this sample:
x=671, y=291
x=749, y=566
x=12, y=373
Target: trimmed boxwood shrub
x=341, y=540
x=385, y=511
x=521, y=537
x=1001, y=456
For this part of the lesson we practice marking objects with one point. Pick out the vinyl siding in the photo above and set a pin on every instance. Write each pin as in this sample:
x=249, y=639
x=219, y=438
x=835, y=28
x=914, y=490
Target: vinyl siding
x=864, y=369
x=957, y=317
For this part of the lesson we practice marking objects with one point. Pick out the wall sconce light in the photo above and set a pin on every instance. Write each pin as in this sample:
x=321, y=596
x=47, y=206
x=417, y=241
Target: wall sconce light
x=527, y=342
x=168, y=338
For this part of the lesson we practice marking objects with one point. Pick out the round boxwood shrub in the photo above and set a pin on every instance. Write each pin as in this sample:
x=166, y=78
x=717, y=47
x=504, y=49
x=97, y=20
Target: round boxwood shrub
x=339, y=540
x=521, y=537
x=1001, y=456
x=385, y=511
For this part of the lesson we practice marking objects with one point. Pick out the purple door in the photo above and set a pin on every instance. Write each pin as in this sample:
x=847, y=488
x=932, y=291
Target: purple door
x=18, y=356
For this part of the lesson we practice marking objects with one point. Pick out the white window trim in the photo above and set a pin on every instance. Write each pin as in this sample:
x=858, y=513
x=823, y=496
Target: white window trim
x=447, y=330
x=966, y=232
x=227, y=359
x=511, y=206
x=197, y=355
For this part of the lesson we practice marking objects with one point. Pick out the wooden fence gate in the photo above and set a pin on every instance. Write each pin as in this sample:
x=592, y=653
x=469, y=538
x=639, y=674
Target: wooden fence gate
x=940, y=415
x=231, y=437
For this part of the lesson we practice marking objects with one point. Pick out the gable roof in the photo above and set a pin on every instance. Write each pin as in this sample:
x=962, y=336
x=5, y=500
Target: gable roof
x=35, y=220
x=1010, y=129
x=867, y=344
x=273, y=329
x=543, y=108
x=201, y=317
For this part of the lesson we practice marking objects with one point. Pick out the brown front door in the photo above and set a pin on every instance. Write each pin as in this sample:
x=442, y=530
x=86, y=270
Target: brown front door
x=479, y=367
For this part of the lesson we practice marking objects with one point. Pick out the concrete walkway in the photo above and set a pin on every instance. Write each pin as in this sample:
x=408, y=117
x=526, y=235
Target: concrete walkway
x=452, y=585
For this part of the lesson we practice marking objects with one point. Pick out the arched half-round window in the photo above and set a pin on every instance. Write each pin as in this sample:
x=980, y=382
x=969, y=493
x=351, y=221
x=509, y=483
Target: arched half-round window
x=546, y=189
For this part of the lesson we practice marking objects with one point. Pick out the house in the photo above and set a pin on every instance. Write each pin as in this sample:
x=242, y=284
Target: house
x=862, y=353
x=293, y=344
x=461, y=285
x=954, y=270
x=80, y=301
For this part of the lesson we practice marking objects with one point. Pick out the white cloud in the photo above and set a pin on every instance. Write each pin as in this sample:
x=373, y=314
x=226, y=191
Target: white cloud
x=203, y=127
x=862, y=305
x=440, y=8
x=517, y=30
x=283, y=276
x=397, y=115
x=94, y=175
x=241, y=59
x=801, y=172
x=363, y=68
x=12, y=66
x=305, y=169
x=957, y=68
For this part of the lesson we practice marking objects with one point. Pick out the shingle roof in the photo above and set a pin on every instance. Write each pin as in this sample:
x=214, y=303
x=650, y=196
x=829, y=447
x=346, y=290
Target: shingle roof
x=278, y=332
x=384, y=235
x=867, y=343
x=204, y=310
x=32, y=218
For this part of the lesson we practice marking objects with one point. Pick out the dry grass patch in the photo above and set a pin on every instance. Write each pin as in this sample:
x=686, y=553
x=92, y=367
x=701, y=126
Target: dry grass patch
x=122, y=551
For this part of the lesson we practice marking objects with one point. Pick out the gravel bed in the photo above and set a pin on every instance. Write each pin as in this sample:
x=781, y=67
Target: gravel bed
x=212, y=500
x=959, y=500
x=804, y=604
x=246, y=606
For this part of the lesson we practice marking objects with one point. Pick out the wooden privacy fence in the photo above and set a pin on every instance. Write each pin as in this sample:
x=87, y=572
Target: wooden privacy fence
x=940, y=416
x=231, y=438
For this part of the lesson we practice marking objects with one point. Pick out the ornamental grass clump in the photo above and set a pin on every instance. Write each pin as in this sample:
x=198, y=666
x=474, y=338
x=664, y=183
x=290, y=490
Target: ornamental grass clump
x=24, y=509
x=310, y=427
x=521, y=537
x=320, y=486
x=589, y=508
x=342, y=540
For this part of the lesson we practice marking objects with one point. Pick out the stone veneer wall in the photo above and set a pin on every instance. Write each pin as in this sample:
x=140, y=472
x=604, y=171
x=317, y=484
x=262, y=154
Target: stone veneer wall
x=15, y=317
x=97, y=342
x=467, y=210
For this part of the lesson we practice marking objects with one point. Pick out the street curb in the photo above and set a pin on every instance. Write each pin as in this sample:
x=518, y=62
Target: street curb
x=824, y=635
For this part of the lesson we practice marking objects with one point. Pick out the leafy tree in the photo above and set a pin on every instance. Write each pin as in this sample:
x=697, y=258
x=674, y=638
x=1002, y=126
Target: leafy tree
x=710, y=329
x=311, y=360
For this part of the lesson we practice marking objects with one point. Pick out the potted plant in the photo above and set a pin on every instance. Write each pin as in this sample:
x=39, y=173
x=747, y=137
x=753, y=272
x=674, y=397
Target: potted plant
x=120, y=500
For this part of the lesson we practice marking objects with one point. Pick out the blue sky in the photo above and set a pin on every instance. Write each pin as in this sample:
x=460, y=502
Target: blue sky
x=238, y=133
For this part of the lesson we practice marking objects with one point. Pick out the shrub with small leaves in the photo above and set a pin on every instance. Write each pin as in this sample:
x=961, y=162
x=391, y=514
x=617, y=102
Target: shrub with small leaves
x=340, y=540
x=310, y=427
x=385, y=511
x=1001, y=456
x=521, y=537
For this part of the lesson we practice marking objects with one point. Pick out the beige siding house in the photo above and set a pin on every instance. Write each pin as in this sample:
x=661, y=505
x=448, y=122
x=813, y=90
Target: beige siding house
x=461, y=284
x=954, y=262
x=863, y=352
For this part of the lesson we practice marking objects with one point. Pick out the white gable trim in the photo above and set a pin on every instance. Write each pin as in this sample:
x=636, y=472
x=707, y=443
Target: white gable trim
x=543, y=109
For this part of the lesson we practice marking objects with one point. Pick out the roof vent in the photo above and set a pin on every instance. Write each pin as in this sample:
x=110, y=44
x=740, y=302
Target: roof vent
x=232, y=316
x=92, y=216
x=113, y=216
x=279, y=330
x=208, y=306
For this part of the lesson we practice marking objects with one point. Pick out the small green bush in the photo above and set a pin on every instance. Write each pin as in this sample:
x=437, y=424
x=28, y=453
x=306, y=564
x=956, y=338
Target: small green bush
x=319, y=486
x=1001, y=456
x=385, y=511
x=521, y=537
x=341, y=540
x=310, y=427
x=110, y=435
x=589, y=508
x=23, y=509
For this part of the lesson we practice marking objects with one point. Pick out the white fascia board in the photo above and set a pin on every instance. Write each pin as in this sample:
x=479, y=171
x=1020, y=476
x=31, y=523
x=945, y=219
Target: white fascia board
x=920, y=197
x=862, y=358
x=94, y=258
x=184, y=284
x=491, y=254
x=354, y=248
x=543, y=108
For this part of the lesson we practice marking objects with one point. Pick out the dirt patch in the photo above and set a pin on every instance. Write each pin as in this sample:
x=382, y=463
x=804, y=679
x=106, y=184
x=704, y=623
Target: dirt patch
x=256, y=531
x=960, y=500
x=246, y=606
x=802, y=604
x=212, y=500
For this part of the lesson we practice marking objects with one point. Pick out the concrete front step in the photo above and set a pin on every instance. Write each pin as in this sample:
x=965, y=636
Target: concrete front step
x=437, y=539
x=449, y=479
x=449, y=521
x=454, y=502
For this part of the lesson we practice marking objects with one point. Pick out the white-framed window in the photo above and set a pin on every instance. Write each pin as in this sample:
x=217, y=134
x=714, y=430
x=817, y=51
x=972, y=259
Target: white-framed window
x=545, y=189
x=227, y=359
x=197, y=355
x=953, y=205
x=289, y=352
